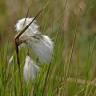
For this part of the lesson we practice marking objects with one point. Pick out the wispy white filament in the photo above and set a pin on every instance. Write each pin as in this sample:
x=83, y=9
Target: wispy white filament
x=30, y=69
x=42, y=45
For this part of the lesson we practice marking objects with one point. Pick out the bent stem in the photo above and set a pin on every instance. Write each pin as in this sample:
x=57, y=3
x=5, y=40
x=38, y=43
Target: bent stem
x=18, y=62
x=17, y=43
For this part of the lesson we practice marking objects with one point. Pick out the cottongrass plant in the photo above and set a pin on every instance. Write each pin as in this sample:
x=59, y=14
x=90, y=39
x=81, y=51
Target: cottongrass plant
x=42, y=45
x=29, y=35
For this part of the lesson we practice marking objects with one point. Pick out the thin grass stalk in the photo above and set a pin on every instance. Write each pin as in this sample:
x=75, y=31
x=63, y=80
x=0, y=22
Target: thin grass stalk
x=15, y=91
x=92, y=52
x=89, y=61
x=36, y=85
x=34, y=89
x=45, y=82
x=78, y=93
x=79, y=81
x=56, y=37
x=18, y=62
x=71, y=52
x=77, y=69
x=91, y=91
x=48, y=70
x=69, y=61
x=2, y=74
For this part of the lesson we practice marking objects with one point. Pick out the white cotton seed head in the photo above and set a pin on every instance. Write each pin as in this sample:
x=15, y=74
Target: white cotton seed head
x=24, y=22
x=30, y=69
x=42, y=45
x=43, y=48
x=32, y=29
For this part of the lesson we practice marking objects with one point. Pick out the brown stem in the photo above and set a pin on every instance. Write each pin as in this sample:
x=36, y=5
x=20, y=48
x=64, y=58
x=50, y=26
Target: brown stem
x=18, y=62
x=17, y=42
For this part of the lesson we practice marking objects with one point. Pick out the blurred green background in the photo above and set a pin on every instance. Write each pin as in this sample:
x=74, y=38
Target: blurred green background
x=58, y=13
x=63, y=19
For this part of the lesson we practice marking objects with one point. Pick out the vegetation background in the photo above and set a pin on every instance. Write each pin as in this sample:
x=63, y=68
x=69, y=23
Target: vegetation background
x=72, y=26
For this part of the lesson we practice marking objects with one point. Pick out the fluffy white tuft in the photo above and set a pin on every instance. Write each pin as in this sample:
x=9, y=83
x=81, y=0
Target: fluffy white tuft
x=30, y=69
x=42, y=46
x=32, y=29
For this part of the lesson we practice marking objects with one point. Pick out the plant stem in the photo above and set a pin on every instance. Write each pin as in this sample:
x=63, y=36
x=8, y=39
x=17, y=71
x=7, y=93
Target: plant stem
x=18, y=62
x=45, y=81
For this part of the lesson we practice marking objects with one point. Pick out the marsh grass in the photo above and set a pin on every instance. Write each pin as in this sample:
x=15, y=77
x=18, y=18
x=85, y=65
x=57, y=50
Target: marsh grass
x=72, y=71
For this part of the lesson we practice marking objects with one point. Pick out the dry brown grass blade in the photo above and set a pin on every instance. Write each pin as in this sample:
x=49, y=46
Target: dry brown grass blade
x=75, y=80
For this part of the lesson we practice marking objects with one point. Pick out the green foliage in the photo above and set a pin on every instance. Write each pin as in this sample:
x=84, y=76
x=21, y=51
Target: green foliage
x=72, y=71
